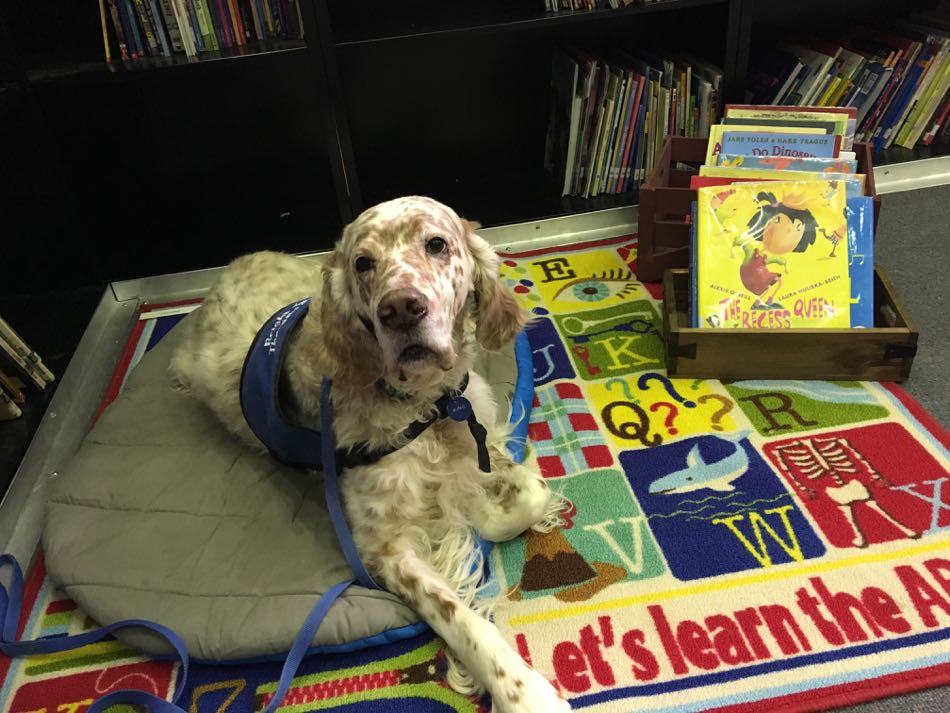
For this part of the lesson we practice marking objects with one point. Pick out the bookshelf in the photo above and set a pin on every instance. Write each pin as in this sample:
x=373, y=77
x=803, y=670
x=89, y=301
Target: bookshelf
x=768, y=25
x=480, y=146
x=162, y=164
x=99, y=70
x=170, y=164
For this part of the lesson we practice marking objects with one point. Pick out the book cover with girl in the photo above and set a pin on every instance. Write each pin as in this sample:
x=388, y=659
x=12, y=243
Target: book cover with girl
x=773, y=255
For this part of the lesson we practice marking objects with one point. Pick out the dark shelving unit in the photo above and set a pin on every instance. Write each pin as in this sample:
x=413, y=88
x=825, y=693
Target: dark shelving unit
x=368, y=22
x=118, y=69
x=168, y=164
x=466, y=92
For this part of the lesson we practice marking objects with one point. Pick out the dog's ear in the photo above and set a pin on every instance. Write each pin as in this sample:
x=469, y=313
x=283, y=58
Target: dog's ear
x=499, y=317
x=340, y=340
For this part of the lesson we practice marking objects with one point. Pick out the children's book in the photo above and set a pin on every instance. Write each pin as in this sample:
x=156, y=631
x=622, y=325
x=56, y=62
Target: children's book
x=860, y=214
x=773, y=255
x=716, y=132
x=848, y=114
x=789, y=163
x=828, y=127
x=854, y=182
x=780, y=144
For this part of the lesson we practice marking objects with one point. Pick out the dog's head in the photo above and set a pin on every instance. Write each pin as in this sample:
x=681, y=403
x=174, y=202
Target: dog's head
x=405, y=288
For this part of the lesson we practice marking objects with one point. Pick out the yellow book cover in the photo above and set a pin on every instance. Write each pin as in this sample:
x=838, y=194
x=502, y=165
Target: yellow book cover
x=845, y=126
x=855, y=181
x=717, y=130
x=772, y=255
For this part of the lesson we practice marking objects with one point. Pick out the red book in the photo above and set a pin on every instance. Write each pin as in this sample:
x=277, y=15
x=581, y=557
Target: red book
x=224, y=19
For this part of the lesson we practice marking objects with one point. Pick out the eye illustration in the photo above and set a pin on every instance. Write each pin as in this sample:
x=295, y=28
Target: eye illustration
x=597, y=288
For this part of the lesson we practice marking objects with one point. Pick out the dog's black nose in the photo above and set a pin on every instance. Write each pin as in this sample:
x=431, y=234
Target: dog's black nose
x=402, y=309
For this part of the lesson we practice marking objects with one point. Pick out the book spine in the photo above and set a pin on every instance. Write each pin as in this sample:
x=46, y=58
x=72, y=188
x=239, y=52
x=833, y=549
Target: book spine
x=155, y=16
x=206, y=26
x=147, y=30
x=263, y=8
x=22, y=364
x=119, y=30
x=258, y=21
x=184, y=28
x=278, y=20
x=195, y=25
x=211, y=17
x=8, y=409
x=939, y=118
x=873, y=119
x=237, y=26
x=292, y=12
x=247, y=20
x=223, y=22
x=171, y=25
x=105, y=30
x=300, y=27
x=11, y=388
x=133, y=34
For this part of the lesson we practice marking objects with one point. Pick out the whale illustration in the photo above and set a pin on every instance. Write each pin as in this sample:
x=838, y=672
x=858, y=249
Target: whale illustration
x=699, y=474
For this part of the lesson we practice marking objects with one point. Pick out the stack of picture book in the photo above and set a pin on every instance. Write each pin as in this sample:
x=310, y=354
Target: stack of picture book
x=134, y=29
x=581, y=5
x=611, y=112
x=782, y=225
x=898, y=78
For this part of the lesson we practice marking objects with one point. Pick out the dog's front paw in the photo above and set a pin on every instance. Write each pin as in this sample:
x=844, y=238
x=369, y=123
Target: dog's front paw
x=528, y=692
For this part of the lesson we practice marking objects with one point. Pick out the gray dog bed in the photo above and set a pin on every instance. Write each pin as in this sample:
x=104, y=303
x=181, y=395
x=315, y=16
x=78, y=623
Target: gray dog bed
x=162, y=515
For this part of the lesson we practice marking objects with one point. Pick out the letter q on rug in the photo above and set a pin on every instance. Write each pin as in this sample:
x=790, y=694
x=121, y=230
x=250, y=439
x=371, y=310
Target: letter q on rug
x=162, y=515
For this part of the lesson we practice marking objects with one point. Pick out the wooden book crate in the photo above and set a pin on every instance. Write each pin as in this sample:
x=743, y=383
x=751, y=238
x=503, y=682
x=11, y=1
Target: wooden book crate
x=883, y=353
x=665, y=198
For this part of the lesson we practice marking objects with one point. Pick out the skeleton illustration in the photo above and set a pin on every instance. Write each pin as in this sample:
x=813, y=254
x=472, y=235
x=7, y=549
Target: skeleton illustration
x=833, y=468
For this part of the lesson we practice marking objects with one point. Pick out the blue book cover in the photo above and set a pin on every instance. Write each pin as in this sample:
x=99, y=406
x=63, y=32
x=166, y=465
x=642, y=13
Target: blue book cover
x=133, y=36
x=746, y=143
x=160, y=33
x=826, y=165
x=860, y=214
x=636, y=153
x=895, y=112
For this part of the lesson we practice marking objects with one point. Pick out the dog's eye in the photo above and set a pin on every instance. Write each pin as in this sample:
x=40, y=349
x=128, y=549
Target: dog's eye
x=364, y=263
x=436, y=245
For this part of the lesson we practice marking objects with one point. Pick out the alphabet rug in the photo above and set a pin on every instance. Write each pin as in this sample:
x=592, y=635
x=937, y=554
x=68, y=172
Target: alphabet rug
x=729, y=543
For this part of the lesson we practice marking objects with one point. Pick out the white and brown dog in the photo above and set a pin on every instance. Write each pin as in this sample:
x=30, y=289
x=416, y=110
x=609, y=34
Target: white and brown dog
x=404, y=299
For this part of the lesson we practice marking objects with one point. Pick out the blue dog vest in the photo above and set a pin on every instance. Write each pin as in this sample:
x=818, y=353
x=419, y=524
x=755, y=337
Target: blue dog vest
x=289, y=443
x=300, y=446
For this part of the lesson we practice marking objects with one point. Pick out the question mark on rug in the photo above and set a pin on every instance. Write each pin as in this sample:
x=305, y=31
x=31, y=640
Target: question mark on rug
x=624, y=387
x=725, y=407
x=645, y=379
x=670, y=415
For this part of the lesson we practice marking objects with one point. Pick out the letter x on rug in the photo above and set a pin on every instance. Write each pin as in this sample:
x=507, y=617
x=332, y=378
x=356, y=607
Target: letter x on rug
x=729, y=543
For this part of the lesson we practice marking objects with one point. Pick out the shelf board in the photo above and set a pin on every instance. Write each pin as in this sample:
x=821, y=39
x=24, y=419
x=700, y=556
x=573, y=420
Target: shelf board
x=897, y=154
x=447, y=19
x=69, y=70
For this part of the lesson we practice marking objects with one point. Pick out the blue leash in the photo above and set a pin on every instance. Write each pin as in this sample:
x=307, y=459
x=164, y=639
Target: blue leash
x=302, y=447
x=11, y=605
